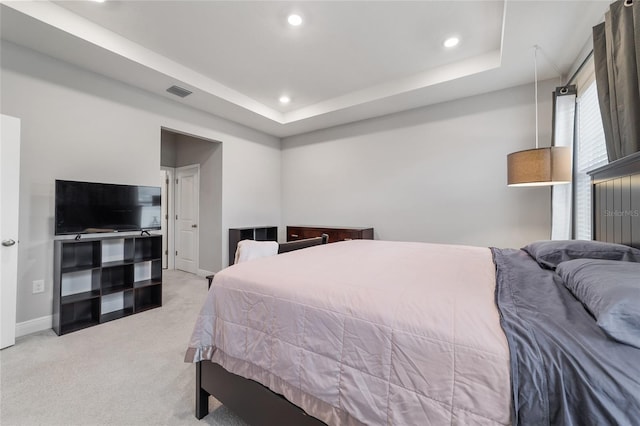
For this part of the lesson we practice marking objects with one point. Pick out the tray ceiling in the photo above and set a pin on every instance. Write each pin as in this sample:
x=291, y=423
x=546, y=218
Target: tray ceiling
x=347, y=61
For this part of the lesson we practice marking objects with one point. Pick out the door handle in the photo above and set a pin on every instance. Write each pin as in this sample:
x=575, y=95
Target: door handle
x=8, y=243
x=194, y=226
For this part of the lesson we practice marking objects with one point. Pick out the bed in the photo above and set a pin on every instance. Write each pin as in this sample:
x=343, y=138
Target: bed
x=378, y=332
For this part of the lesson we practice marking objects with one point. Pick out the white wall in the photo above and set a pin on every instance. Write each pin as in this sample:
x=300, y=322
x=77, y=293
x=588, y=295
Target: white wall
x=82, y=126
x=435, y=174
x=168, y=149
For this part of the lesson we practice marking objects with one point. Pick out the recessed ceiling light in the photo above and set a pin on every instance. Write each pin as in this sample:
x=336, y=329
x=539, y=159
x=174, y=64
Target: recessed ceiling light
x=451, y=42
x=99, y=1
x=294, y=20
x=284, y=99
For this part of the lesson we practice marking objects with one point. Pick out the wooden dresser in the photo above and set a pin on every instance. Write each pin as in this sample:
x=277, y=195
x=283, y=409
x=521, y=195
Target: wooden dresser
x=335, y=234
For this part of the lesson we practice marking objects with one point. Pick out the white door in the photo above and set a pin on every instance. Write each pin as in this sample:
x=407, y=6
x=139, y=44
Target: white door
x=186, y=230
x=168, y=216
x=9, y=198
x=164, y=184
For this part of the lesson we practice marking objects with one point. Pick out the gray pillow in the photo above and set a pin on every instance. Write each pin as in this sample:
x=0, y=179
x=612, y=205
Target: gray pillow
x=610, y=290
x=550, y=253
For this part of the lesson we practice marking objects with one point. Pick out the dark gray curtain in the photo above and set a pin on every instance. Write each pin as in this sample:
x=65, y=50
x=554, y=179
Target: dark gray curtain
x=616, y=52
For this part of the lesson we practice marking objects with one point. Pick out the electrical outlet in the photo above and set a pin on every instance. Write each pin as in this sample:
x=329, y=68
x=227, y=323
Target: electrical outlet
x=38, y=286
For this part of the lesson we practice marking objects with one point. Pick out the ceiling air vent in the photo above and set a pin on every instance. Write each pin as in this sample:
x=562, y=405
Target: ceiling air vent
x=179, y=91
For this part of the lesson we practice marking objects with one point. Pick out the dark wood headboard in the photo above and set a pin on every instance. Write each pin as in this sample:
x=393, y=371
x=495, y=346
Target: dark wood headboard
x=616, y=201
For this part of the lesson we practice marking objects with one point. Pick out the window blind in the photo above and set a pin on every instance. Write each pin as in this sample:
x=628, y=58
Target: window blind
x=591, y=153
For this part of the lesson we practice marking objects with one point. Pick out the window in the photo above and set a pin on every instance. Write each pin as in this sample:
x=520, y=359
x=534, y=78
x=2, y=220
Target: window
x=564, y=135
x=590, y=153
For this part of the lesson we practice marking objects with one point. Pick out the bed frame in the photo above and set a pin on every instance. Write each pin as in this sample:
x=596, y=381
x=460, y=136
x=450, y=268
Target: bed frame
x=300, y=244
x=616, y=218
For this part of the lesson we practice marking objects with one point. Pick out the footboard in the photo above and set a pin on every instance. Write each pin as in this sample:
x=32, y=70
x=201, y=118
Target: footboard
x=254, y=403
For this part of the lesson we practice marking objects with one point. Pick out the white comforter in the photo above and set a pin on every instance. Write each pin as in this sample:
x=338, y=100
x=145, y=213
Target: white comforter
x=365, y=332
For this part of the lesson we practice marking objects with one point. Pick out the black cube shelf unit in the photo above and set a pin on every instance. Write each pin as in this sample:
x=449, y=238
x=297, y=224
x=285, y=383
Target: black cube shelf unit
x=101, y=279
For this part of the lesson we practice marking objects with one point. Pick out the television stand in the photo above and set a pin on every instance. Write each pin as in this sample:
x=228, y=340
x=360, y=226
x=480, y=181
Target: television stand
x=100, y=279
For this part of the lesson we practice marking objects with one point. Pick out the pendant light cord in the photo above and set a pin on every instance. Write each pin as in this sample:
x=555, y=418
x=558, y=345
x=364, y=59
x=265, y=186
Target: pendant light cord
x=535, y=73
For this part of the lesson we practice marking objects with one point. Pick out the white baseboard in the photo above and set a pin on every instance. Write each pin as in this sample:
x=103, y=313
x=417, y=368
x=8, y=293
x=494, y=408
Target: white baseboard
x=34, y=325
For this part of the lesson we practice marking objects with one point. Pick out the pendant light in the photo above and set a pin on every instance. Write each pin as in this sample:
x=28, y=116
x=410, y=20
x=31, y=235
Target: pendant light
x=539, y=166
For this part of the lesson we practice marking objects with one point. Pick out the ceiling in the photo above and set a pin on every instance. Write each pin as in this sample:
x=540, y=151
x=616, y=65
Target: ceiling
x=348, y=61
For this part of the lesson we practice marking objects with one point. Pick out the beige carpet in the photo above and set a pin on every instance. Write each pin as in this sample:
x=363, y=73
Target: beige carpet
x=125, y=372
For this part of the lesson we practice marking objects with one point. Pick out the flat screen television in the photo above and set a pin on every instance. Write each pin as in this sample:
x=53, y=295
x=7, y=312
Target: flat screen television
x=88, y=207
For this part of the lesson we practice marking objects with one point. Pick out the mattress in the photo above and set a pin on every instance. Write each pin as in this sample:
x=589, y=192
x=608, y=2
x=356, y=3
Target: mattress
x=365, y=332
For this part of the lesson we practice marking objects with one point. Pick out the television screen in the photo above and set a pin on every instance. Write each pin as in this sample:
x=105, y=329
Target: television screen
x=86, y=207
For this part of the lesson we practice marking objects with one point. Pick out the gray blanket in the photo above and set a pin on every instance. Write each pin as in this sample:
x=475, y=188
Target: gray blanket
x=564, y=368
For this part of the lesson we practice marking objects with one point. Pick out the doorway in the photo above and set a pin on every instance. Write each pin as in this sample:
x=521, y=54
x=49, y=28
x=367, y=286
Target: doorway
x=167, y=228
x=196, y=165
